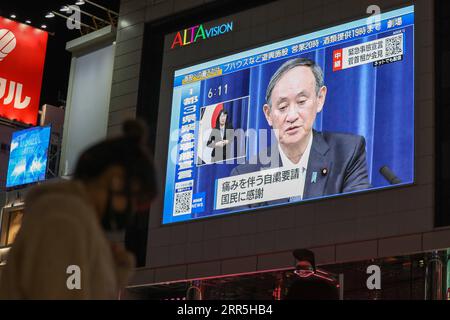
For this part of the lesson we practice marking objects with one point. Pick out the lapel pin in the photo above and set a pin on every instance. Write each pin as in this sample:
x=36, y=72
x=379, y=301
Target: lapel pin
x=324, y=172
x=314, y=177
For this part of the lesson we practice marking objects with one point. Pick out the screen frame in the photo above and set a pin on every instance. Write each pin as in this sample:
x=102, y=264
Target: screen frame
x=154, y=40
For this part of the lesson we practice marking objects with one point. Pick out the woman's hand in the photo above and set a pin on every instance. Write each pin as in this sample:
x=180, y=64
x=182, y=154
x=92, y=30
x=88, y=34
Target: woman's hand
x=222, y=143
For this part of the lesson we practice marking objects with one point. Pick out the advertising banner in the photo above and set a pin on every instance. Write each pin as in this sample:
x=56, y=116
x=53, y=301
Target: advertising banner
x=22, y=58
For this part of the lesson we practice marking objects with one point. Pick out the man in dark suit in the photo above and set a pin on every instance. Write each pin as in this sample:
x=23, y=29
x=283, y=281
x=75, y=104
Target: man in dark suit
x=329, y=163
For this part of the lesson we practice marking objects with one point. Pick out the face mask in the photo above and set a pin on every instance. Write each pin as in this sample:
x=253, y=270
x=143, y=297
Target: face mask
x=115, y=220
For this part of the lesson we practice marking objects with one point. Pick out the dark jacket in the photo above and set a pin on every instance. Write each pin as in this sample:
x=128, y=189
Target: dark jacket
x=218, y=153
x=313, y=288
x=61, y=229
x=337, y=160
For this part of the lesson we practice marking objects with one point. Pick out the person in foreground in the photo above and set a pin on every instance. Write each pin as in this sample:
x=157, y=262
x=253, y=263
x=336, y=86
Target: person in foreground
x=62, y=250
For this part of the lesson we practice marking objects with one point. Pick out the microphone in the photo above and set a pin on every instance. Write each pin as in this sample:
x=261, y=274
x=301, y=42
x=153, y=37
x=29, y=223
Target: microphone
x=389, y=175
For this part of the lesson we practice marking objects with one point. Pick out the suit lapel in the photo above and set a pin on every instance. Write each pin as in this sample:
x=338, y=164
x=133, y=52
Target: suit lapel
x=316, y=181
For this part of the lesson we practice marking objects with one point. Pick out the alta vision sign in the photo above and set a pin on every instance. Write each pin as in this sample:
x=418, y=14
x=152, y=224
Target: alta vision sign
x=194, y=34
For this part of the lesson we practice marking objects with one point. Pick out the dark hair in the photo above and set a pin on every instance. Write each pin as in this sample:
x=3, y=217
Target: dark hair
x=289, y=65
x=127, y=151
x=227, y=123
x=305, y=255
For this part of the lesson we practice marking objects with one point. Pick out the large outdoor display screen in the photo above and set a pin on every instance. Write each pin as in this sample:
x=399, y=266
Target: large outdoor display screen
x=28, y=156
x=318, y=115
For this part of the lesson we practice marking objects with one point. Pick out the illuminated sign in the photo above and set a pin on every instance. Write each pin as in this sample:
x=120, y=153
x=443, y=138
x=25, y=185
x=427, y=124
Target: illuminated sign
x=22, y=57
x=310, y=117
x=199, y=32
x=28, y=156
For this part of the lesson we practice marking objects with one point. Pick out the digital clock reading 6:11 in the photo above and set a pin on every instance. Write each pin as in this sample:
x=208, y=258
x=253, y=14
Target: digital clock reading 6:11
x=218, y=92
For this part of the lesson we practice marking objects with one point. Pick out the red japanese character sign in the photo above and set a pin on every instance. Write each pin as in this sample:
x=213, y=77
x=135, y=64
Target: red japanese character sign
x=22, y=58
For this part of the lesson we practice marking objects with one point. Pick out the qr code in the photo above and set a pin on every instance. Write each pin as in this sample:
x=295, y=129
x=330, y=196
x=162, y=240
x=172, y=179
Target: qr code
x=183, y=203
x=394, y=45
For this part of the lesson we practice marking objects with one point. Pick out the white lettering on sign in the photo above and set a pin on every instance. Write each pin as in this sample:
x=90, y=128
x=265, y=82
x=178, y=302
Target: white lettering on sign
x=258, y=187
x=13, y=95
x=389, y=49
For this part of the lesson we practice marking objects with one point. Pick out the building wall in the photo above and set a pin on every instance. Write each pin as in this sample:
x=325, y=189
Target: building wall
x=351, y=228
x=86, y=117
x=6, y=134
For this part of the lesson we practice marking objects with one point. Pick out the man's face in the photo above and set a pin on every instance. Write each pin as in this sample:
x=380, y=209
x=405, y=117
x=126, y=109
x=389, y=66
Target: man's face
x=295, y=104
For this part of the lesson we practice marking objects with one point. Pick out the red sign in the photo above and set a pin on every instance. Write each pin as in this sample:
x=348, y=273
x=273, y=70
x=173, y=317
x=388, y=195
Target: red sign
x=22, y=57
x=337, y=60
